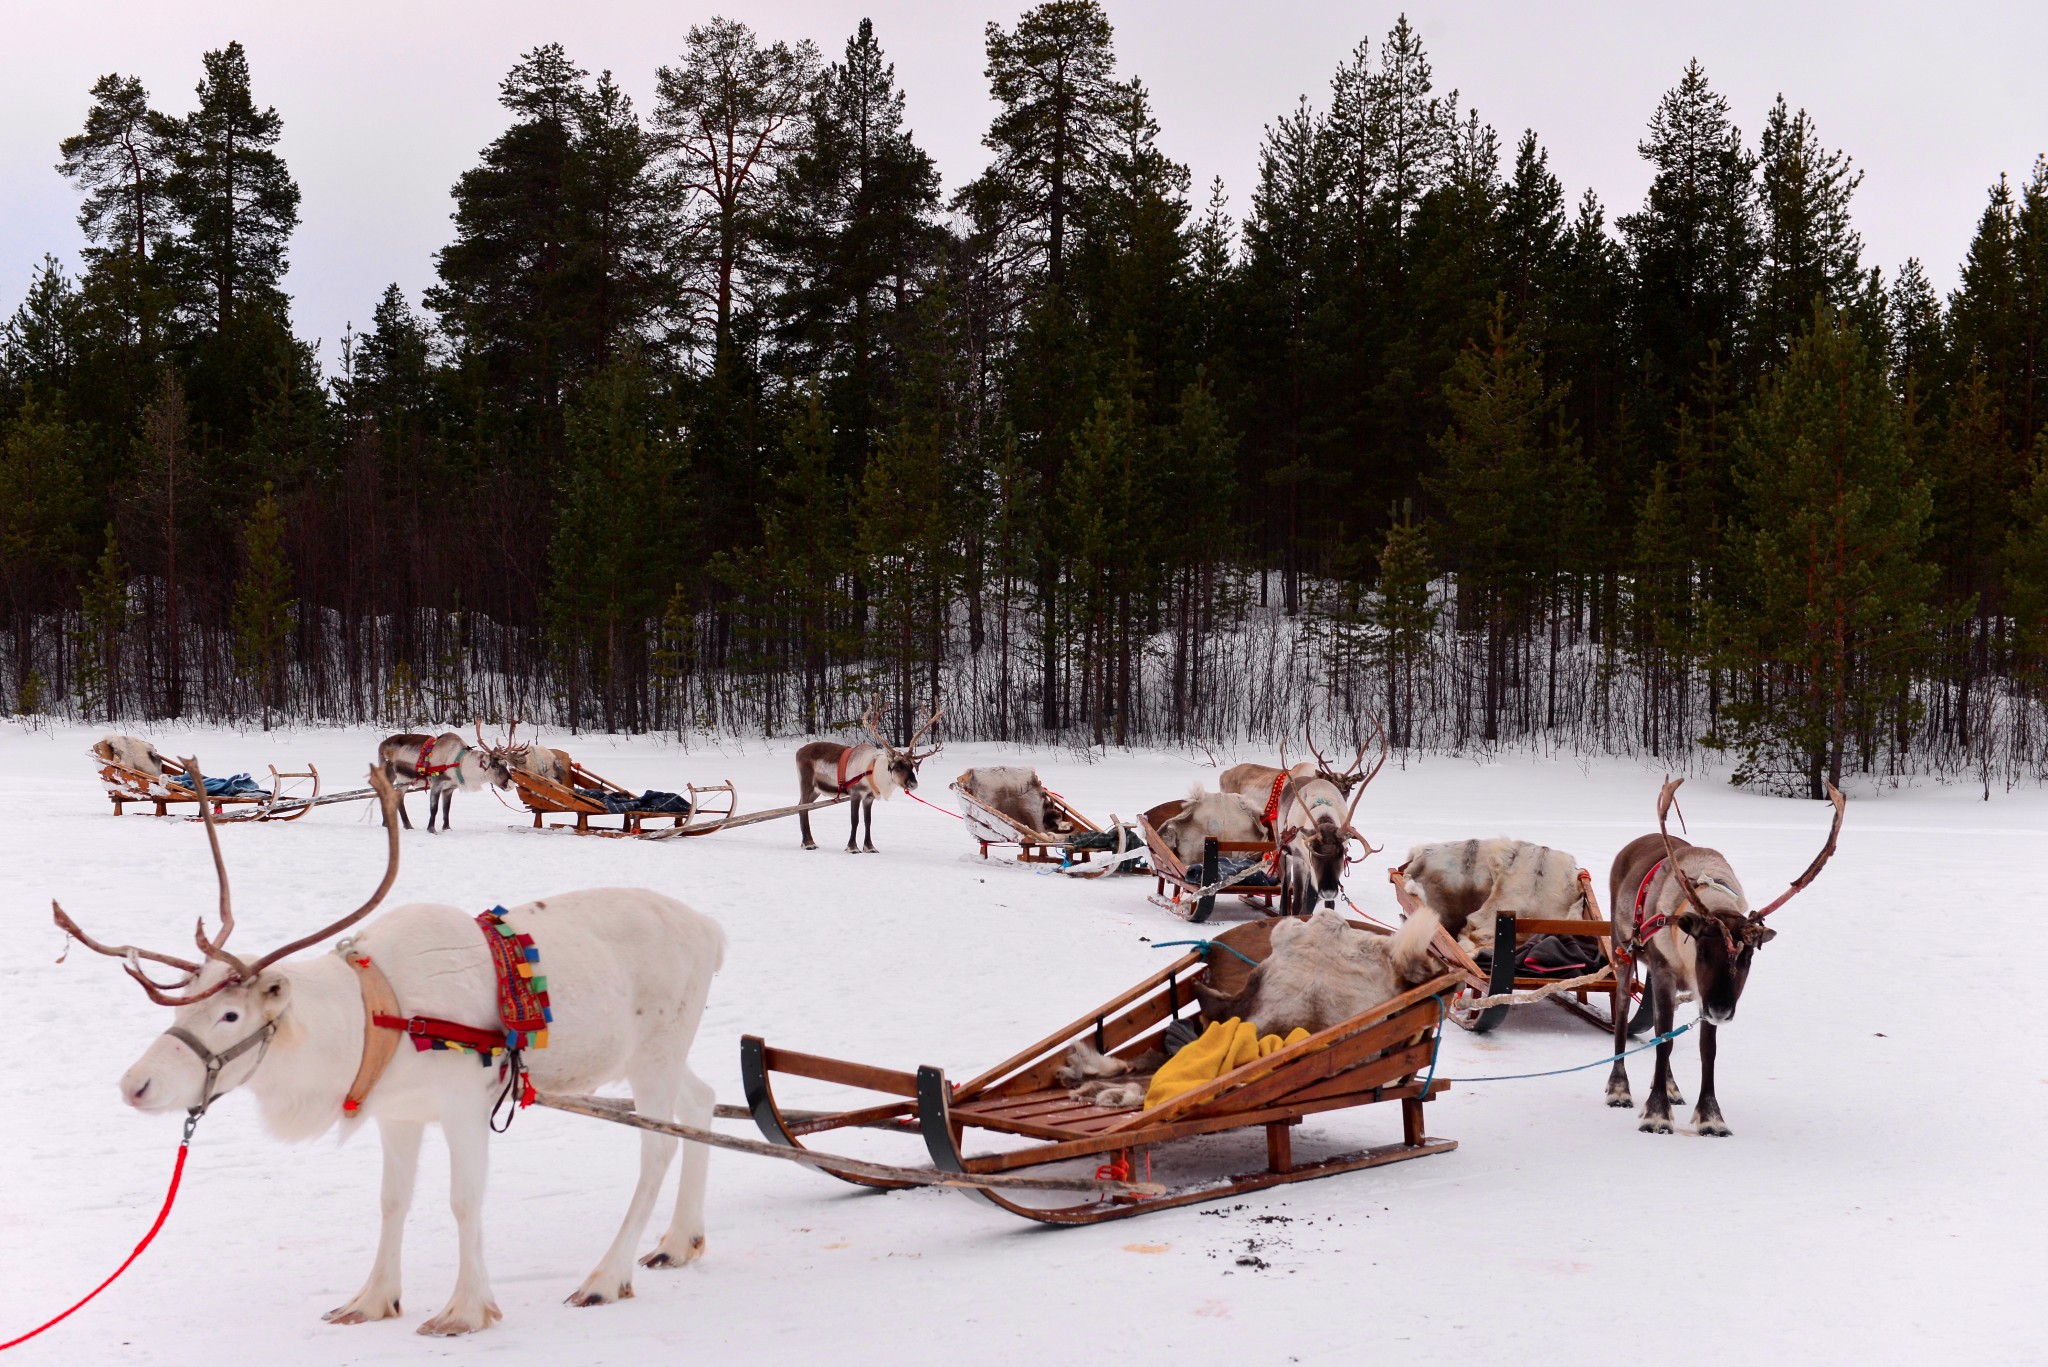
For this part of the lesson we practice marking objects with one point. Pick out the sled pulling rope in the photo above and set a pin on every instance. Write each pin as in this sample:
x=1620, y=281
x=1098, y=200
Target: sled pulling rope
x=620, y=1112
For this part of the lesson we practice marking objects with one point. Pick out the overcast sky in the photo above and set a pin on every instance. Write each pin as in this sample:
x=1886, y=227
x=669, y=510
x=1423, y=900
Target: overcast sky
x=386, y=103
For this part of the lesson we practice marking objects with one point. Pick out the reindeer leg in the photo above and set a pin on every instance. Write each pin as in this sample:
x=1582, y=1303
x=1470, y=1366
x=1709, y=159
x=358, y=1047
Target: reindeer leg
x=868, y=814
x=853, y=831
x=1706, y=1117
x=1657, y=1110
x=1617, y=1076
x=379, y=1297
x=806, y=791
x=684, y=1241
x=404, y=817
x=654, y=1094
x=466, y=1124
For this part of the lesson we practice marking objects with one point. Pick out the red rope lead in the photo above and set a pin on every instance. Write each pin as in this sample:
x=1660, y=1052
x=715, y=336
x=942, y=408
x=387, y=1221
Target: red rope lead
x=933, y=805
x=177, y=1172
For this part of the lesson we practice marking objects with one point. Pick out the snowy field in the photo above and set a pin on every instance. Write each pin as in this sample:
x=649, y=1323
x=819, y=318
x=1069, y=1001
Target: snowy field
x=1882, y=1199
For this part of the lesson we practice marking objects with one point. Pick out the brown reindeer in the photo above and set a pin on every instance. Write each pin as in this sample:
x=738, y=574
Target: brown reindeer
x=1306, y=802
x=444, y=763
x=1680, y=911
x=860, y=773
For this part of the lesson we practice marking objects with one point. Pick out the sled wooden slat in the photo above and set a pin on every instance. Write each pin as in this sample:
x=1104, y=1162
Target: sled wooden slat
x=987, y=826
x=1377, y=1056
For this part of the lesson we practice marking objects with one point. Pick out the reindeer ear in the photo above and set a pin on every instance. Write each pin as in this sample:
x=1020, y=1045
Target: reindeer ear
x=1691, y=922
x=1761, y=934
x=273, y=994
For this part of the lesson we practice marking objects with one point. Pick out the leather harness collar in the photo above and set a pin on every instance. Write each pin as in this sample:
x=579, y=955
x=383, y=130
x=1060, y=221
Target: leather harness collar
x=380, y=1041
x=427, y=770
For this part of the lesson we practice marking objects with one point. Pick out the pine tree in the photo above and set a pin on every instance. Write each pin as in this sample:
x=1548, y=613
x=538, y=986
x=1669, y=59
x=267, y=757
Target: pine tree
x=2026, y=574
x=1810, y=247
x=730, y=119
x=103, y=602
x=1830, y=557
x=263, y=605
x=1404, y=622
x=122, y=162
x=1693, y=245
x=232, y=195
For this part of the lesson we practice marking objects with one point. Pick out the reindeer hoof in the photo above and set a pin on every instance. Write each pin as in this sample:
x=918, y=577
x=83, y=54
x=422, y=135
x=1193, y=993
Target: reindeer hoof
x=362, y=1310
x=1711, y=1125
x=664, y=1257
x=810, y=844
x=453, y=1321
x=1655, y=1124
x=582, y=1298
x=1619, y=1096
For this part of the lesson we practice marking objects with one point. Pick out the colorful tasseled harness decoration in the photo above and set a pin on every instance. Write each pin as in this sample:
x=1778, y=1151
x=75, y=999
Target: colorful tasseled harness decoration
x=427, y=770
x=1273, y=800
x=523, y=1011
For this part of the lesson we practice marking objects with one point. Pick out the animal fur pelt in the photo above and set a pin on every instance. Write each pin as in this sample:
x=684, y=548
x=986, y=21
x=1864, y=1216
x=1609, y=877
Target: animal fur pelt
x=130, y=752
x=1323, y=971
x=1465, y=882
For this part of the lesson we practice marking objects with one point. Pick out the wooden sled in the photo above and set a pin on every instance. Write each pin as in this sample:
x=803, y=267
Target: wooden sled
x=1185, y=899
x=545, y=798
x=987, y=826
x=1385, y=1054
x=1510, y=931
x=292, y=792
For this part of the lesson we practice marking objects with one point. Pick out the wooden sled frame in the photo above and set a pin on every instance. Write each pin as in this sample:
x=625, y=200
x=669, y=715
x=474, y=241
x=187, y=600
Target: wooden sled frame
x=1169, y=872
x=1385, y=1054
x=1509, y=931
x=544, y=798
x=986, y=826
x=125, y=785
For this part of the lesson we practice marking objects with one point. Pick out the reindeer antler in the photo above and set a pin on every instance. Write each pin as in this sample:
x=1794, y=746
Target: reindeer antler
x=1827, y=852
x=911, y=748
x=387, y=797
x=1364, y=781
x=1664, y=799
x=238, y=971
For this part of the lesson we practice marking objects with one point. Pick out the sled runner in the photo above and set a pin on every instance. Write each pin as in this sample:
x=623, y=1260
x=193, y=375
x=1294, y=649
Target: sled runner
x=588, y=797
x=1222, y=861
x=1513, y=969
x=1385, y=1054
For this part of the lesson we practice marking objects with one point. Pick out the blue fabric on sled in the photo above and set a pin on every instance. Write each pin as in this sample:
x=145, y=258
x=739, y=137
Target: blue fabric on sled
x=653, y=800
x=240, y=785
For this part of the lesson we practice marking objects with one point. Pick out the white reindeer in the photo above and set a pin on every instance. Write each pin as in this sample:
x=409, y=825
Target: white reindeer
x=628, y=973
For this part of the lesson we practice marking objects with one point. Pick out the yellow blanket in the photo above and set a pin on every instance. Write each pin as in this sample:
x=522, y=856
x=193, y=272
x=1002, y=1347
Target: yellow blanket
x=1231, y=1044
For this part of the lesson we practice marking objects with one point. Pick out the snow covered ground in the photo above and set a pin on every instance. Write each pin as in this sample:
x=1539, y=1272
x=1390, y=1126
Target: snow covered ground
x=1881, y=1201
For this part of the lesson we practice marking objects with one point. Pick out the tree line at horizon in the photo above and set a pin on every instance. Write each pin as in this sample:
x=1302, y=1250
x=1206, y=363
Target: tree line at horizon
x=721, y=415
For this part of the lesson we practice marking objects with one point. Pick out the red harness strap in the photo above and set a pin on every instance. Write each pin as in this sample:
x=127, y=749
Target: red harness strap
x=1641, y=930
x=860, y=778
x=426, y=1032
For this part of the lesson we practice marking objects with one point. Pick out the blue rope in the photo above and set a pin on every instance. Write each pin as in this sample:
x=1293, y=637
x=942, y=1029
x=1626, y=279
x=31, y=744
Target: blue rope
x=1205, y=946
x=1435, y=1045
x=1556, y=1072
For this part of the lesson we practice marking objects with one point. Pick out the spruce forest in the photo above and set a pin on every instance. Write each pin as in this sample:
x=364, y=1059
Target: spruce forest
x=719, y=415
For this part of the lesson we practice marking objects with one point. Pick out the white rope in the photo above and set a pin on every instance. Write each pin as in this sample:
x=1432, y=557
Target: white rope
x=1531, y=994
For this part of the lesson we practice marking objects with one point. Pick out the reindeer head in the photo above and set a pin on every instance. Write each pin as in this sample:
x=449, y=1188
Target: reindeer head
x=228, y=1009
x=1322, y=844
x=485, y=763
x=1723, y=933
x=900, y=768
